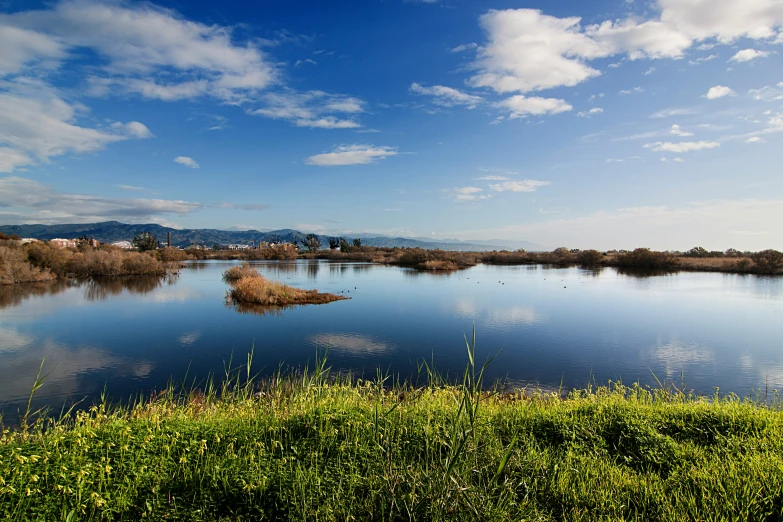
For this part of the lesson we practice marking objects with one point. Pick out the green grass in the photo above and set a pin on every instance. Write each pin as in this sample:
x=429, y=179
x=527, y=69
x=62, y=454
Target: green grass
x=318, y=447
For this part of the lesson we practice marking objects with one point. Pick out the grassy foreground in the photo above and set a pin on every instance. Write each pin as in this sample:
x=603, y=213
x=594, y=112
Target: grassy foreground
x=311, y=447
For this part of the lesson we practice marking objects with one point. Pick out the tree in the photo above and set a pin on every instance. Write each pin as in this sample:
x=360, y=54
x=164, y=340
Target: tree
x=357, y=243
x=145, y=241
x=768, y=261
x=334, y=242
x=312, y=243
x=697, y=252
x=344, y=245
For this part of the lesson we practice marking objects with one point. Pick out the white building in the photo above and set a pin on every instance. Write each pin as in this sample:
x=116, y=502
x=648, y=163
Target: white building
x=63, y=243
x=127, y=245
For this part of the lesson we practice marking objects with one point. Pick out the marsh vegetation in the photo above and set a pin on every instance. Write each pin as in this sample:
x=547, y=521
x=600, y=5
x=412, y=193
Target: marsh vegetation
x=249, y=287
x=315, y=445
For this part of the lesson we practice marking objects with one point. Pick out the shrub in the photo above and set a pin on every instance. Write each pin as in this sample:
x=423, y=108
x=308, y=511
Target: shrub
x=235, y=273
x=646, y=258
x=440, y=265
x=767, y=261
x=589, y=258
x=15, y=268
x=171, y=255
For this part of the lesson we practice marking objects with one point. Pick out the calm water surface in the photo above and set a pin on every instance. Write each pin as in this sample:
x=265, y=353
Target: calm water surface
x=547, y=326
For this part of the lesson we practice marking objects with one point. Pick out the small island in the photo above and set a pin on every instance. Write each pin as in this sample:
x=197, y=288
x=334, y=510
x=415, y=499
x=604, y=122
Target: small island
x=249, y=287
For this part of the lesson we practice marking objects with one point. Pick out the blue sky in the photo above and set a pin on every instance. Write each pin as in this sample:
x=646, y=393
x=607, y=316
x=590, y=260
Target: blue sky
x=613, y=124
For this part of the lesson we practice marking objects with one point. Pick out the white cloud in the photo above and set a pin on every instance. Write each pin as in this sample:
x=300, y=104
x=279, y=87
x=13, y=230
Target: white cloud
x=464, y=47
x=36, y=124
x=615, y=65
x=492, y=178
x=142, y=40
x=351, y=155
x=683, y=146
x=747, y=55
x=636, y=90
x=719, y=91
x=35, y=202
x=528, y=50
x=314, y=109
x=768, y=93
x=23, y=48
x=678, y=160
x=467, y=194
x=593, y=97
x=591, y=112
x=703, y=59
x=676, y=130
x=527, y=185
x=522, y=106
x=649, y=71
x=676, y=111
x=133, y=129
x=754, y=139
x=447, y=96
x=187, y=161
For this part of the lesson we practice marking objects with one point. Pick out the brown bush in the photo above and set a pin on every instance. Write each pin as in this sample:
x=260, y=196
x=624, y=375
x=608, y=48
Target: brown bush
x=171, y=255
x=589, y=258
x=646, y=258
x=767, y=261
x=15, y=268
x=44, y=256
x=440, y=265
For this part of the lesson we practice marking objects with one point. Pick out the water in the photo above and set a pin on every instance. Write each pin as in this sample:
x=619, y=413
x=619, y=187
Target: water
x=548, y=327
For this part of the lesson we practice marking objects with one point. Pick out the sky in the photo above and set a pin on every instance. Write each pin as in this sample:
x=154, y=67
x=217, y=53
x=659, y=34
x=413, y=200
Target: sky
x=606, y=124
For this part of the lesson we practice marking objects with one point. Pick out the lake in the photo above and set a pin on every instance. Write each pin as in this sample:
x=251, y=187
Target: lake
x=547, y=327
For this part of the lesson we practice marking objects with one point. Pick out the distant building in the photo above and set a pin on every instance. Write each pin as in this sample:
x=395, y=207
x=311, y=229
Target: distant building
x=26, y=240
x=63, y=243
x=127, y=245
x=238, y=247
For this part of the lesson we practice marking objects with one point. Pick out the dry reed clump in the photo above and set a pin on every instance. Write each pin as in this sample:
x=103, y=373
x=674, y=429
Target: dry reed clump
x=440, y=265
x=14, y=268
x=254, y=289
x=646, y=258
x=235, y=273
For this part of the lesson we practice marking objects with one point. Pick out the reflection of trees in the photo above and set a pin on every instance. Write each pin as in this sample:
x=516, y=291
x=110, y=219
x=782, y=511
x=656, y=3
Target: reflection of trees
x=14, y=295
x=644, y=273
x=312, y=268
x=98, y=289
x=413, y=273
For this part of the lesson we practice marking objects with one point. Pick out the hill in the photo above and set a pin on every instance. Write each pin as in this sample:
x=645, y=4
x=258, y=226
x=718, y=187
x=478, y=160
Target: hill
x=111, y=231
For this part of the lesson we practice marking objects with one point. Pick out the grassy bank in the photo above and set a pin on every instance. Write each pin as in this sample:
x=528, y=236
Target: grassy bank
x=249, y=287
x=310, y=447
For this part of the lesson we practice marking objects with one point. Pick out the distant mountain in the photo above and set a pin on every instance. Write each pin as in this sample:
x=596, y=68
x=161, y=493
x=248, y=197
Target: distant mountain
x=111, y=231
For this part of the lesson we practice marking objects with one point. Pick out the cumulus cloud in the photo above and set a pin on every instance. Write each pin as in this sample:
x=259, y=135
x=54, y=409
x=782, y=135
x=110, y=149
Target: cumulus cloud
x=187, y=161
x=527, y=50
x=35, y=202
x=719, y=91
x=526, y=185
x=314, y=109
x=676, y=130
x=520, y=106
x=683, y=146
x=447, y=96
x=747, y=55
x=591, y=112
x=133, y=129
x=351, y=155
x=754, y=139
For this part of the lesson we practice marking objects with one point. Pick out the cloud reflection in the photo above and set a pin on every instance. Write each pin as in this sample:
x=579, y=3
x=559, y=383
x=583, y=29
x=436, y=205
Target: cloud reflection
x=354, y=343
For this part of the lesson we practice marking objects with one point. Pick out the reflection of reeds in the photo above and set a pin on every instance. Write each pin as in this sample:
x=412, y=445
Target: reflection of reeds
x=14, y=295
x=100, y=288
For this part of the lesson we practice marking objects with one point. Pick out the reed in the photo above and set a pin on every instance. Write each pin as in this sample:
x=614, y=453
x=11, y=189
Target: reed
x=248, y=287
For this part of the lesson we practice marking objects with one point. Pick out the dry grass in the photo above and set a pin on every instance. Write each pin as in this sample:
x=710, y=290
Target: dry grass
x=254, y=289
x=235, y=273
x=440, y=264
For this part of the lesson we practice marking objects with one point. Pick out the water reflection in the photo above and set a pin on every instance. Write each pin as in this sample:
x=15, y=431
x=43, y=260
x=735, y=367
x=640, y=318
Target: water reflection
x=257, y=309
x=413, y=273
x=14, y=295
x=100, y=289
x=354, y=343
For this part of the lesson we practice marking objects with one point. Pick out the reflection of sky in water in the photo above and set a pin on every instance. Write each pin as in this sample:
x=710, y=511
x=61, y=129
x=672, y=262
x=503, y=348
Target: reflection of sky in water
x=546, y=325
